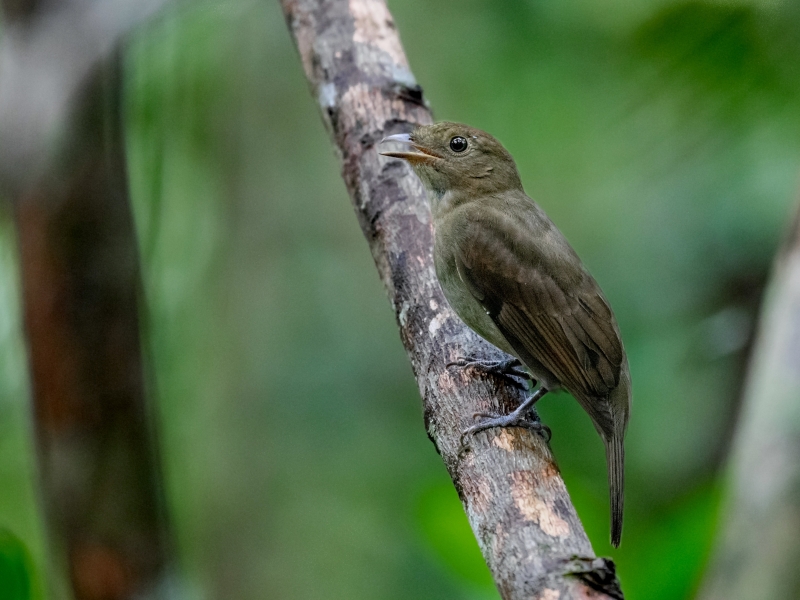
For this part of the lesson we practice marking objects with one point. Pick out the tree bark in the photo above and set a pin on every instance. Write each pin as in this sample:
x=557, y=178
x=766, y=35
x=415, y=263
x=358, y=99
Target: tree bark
x=509, y=484
x=99, y=474
x=759, y=553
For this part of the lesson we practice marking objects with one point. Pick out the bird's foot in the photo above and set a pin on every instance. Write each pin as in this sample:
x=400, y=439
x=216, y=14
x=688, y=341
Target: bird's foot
x=519, y=418
x=511, y=369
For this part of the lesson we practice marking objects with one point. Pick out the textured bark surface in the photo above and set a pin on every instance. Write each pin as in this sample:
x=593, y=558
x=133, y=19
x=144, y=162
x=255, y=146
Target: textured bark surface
x=80, y=277
x=508, y=482
x=758, y=554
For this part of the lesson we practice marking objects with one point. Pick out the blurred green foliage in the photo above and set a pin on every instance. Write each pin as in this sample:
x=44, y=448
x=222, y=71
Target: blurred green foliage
x=21, y=539
x=662, y=137
x=15, y=569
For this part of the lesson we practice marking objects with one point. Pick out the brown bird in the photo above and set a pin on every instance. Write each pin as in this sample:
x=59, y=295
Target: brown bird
x=510, y=275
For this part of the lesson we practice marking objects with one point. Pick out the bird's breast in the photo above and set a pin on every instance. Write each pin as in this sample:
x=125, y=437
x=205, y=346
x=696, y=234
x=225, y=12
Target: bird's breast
x=466, y=306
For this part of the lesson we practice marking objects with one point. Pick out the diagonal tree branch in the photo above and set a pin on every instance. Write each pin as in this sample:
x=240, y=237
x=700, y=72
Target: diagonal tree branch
x=509, y=484
x=759, y=552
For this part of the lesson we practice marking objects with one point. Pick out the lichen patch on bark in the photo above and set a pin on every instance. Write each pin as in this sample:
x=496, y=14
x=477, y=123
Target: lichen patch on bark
x=533, y=508
x=374, y=25
x=504, y=440
x=445, y=381
x=435, y=324
x=361, y=100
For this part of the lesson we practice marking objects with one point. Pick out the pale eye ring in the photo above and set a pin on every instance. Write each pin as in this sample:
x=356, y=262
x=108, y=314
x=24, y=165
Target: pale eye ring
x=458, y=144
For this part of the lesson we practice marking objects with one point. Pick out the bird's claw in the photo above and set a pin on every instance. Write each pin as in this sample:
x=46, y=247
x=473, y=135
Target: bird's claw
x=487, y=415
x=510, y=366
x=497, y=420
x=493, y=420
x=504, y=368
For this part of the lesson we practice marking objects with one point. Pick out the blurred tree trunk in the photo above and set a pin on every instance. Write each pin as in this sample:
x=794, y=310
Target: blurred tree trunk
x=759, y=549
x=81, y=285
x=509, y=484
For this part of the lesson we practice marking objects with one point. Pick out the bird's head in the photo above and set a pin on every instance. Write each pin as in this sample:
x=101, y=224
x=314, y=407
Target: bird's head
x=454, y=157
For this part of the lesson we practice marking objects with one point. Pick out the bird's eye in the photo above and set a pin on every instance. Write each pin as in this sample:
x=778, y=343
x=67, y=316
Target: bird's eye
x=458, y=144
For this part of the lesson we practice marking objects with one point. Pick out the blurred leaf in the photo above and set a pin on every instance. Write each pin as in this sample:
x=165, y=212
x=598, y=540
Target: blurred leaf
x=15, y=568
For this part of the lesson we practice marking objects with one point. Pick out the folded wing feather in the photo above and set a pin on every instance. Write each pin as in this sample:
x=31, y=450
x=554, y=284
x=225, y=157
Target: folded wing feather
x=569, y=329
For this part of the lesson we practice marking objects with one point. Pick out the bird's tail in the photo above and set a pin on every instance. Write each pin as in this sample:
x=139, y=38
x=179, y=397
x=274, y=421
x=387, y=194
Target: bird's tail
x=610, y=418
x=615, y=458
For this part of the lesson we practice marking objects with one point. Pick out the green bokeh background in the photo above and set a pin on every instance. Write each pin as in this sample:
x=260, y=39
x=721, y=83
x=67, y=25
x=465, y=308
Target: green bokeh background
x=662, y=137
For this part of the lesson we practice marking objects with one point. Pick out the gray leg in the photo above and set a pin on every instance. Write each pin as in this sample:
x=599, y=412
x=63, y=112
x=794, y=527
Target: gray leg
x=518, y=418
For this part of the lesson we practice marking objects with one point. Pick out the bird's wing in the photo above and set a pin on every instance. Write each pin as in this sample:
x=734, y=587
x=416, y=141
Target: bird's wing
x=544, y=302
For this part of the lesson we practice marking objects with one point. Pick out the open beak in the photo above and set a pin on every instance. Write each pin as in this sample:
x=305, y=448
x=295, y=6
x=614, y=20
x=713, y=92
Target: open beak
x=411, y=151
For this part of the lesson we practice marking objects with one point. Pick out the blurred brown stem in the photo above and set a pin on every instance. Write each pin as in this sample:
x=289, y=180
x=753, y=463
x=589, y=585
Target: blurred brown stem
x=759, y=552
x=81, y=282
x=509, y=484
